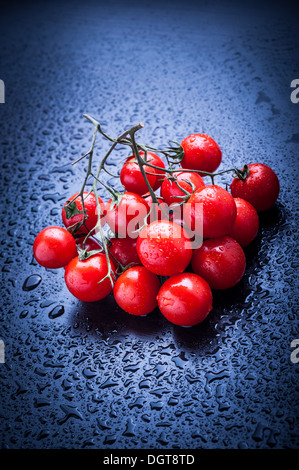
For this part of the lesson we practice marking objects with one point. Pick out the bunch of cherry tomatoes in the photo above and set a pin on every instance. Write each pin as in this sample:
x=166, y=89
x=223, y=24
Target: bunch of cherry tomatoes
x=149, y=258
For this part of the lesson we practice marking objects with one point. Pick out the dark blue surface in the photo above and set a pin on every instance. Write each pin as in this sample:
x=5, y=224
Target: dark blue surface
x=91, y=376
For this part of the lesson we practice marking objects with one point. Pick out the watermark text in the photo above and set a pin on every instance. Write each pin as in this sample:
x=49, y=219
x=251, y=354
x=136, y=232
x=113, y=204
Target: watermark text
x=295, y=353
x=2, y=352
x=2, y=92
x=295, y=93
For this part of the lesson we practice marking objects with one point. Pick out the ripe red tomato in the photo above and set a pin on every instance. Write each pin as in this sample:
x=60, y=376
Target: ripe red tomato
x=161, y=212
x=136, y=289
x=133, y=180
x=124, y=250
x=246, y=224
x=54, y=247
x=157, y=161
x=185, y=299
x=201, y=152
x=220, y=261
x=90, y=245
x=82, y=278
x=164, y=248
x=215, y=207
x=127, y=216
x=90, y=205
x=260, y=188
x=170, y=189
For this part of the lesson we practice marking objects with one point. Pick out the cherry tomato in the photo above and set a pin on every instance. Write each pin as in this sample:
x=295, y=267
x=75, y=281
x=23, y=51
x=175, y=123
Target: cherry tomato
x=220, y=261
x=124, y=250
x=154, y=160
x=201, y=152
x=185, y=299
x=215, y=207
x=246, y=224
x=157, y=161
x=170, y=190
x=164, y=248
x=90, y=245
x=260, y=188
x=136, y=289
x=133, y=180
x=161, y=212
x=128, y=216
x=82, y=278
x=54, y=247
x=90, y=205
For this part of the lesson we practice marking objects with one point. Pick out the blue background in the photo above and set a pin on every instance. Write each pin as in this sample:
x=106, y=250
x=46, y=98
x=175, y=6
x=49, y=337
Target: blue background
x=91, y=376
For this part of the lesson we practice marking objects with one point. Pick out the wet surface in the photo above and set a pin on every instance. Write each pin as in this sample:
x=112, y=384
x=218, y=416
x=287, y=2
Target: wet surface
x=89, y=375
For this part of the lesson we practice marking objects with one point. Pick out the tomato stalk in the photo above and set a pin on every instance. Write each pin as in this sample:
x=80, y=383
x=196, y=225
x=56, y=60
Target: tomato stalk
x=241, y=174
x=81, y=192
x=110, y=274
x=116, y=195
x=141, y=163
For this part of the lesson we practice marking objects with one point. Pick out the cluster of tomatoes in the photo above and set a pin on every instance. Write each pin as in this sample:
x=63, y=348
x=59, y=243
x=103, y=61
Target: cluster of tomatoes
x=150, y=243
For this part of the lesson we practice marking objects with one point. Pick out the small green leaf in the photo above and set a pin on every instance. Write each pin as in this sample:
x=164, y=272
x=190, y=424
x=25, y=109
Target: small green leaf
x=71, y=209
x=242, y=174
x=83, y=254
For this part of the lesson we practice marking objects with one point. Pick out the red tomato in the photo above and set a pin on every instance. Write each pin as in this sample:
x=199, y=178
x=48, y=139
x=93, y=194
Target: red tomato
x=136, y=289
x=90, y=245
x=124, y=250
x=157, y=161
x=215, y=207
x=260, y=188
x=164, y=248
x=220, y=261
x=201, y=152
x=128, y=215
x=54, y=247
x=161, y=212
x=246, y=224
x=133, y=180
x=82, y=278
x=90, y=205
x=170, y=189
x=185, y=299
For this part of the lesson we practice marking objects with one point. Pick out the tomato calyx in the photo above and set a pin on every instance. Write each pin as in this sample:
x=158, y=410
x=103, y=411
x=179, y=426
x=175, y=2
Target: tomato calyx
x=242, y=174
x=119, y=268
x=71, y=209
x=85, y=254
x=187, y=193
x=175, y=153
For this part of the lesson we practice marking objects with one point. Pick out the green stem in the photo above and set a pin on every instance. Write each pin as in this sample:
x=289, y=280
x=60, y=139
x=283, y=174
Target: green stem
x=141, y=163
x=110, y=273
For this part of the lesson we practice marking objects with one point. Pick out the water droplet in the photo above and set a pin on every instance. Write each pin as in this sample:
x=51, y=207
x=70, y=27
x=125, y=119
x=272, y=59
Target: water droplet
x=70, y=412
x=32, y=282
x=24, y=313
x=56, y=311
x=129, y=431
